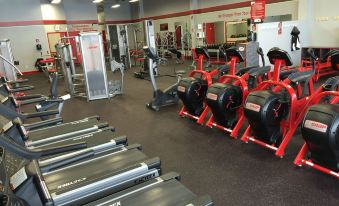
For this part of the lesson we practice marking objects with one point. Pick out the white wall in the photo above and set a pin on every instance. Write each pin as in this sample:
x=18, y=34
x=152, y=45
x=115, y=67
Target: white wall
x=268, y=37
x=23, y=43
x=162, y=7
x=323, y=21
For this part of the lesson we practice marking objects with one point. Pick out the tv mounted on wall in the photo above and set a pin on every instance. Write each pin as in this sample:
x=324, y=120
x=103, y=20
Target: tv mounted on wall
x=164, y=27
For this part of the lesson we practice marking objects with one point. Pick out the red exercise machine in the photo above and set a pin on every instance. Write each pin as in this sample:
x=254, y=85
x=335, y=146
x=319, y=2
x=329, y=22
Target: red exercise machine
x=225, y=98
x=319, y=128
x=192, y=90
x=329, y=65
x=272, y=110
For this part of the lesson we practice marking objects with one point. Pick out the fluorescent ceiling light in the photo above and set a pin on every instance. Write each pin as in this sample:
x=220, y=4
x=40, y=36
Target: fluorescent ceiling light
x=116, y=6
x=131, y=1
x=97, y=1
x=56, y=1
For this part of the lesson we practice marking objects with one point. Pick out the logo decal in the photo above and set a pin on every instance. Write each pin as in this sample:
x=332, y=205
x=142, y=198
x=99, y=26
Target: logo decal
x=212, y=96
x=317, y=126
x=93, y=46
x=181, y=89
x=252, y=106
x=115, y=204
x=71, y=183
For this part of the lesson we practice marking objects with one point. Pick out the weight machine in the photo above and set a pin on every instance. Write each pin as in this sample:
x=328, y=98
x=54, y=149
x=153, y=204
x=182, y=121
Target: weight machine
x=7, y=67
x=119, y=47
x=73, y=81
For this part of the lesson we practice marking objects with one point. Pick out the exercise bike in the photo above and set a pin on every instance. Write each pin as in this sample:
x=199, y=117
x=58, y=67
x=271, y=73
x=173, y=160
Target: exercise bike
x=319, y=127
x=226, y=97
x=161, y=98
x=192, y=90
x=274, y=107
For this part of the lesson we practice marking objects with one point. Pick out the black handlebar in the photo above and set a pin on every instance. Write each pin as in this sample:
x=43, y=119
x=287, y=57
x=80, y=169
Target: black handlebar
x=261, y=54
x=23, y=152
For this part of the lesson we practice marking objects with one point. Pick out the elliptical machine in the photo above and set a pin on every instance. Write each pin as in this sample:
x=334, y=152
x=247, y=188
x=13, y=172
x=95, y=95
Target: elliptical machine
x=161, y=98
x=192, y=90
x=226, y=97
x=272, y=110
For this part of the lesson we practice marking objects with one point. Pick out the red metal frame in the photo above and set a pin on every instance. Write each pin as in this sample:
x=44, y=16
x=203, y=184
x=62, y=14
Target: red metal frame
x=301, y=160
x=297, y=104
x=321, y=69
x=205, y=76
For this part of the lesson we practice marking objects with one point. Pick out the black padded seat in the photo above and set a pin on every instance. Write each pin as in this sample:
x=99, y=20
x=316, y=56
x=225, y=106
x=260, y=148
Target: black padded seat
x=298, y=77
x=234, y=52
x=276, y=53
x=257, y=71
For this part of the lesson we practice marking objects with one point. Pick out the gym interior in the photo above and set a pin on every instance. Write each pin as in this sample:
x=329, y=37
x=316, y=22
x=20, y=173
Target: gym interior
x=181, y=102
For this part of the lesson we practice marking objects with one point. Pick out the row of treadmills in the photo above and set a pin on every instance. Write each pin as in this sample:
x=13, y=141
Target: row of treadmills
x=83, y=162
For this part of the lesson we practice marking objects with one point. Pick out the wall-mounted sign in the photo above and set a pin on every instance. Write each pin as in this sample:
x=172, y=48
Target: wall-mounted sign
x=279, y=28
x=244, y=14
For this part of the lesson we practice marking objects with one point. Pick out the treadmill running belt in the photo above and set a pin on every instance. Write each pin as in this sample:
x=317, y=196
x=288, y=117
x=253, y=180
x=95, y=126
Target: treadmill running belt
x=59, y=181
x=91, y=139
x=162, y=191
x=61, y=129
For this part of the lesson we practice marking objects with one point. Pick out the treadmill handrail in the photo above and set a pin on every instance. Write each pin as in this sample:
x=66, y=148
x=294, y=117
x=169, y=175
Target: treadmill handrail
x=23, y=152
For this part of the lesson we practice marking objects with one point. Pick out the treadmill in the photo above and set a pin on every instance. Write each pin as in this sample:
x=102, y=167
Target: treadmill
x=38, y=133
x=76, y=184
x=66, y=150
x=165, y=191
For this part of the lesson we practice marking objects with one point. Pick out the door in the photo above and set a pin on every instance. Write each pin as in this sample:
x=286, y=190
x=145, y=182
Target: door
x=178, y=37
x=209, y=33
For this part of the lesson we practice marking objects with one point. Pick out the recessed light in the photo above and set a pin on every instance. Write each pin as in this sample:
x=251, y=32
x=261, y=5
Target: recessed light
x=97, y=1
x=56, y=1
x=116, y=6
x=131, y=1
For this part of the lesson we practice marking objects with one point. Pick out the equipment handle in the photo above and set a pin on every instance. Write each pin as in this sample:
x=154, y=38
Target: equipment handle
x=23, y=88
x=40, y=114
x=63, y=149
x=31, y=96
x=17, y=149
x=67, y=161
x=10, y=63
x=261, y=54
x=44, y=123
x=310, y=51
x=30, y=101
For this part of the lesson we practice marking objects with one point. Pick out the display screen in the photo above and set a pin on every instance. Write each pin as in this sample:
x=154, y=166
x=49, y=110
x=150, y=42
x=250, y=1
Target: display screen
x=164, y=27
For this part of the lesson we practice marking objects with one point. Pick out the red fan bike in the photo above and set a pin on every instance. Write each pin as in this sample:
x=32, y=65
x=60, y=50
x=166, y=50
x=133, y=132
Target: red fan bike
x=319, y=127
x=192, y=90
x=272, y=110
x=226, y=97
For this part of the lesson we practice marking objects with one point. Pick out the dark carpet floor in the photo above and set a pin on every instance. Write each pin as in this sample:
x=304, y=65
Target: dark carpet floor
x=232, y=172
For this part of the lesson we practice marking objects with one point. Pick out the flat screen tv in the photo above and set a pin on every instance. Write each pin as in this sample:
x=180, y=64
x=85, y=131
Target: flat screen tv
x=164, y=27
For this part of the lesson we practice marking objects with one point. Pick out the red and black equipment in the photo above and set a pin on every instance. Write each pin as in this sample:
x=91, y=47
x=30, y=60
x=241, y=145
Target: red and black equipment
x=225, y=98
x=319, y=128
x=192, y=90
x=328, y=65
x=274, y=107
